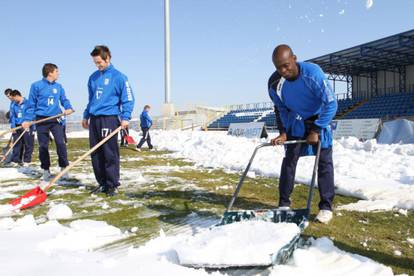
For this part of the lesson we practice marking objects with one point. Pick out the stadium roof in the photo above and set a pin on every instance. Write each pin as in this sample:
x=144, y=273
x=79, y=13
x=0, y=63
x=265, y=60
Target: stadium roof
x=387, y=54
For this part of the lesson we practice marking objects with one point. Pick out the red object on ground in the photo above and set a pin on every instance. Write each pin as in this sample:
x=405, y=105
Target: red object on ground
x=130, y=140
x=39, y=197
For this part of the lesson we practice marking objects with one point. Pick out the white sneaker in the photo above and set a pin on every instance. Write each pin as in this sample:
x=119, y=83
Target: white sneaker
x=138, y=149
x=66, y=175
x=46, y=175
x=284, y=208
x=26, y=165
x=324, y=216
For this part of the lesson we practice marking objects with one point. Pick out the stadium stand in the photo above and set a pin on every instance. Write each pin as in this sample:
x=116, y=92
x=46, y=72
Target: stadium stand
x=378, y=76
x=395, y=105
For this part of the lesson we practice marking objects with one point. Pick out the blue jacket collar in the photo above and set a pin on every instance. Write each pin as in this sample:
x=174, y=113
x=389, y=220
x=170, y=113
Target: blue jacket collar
x=107, y=69
x=24, y=100
x=45, y=80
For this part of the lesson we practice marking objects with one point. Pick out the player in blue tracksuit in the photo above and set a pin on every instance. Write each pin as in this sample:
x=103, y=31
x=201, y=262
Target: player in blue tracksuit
x=7, y=147
x=146, y=123
x=306, y=105
x=45, y=98
x=110, y=100
x=62, y=122
x=24, y=148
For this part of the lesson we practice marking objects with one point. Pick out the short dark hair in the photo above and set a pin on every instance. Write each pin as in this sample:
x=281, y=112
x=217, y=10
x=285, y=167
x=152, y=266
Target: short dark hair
x=48, y=68
x=147, y=106
x=15, y=93
x=7, y=91
x=101, y=51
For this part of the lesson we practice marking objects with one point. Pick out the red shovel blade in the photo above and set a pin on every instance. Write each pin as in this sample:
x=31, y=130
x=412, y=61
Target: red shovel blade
x=130, y=139
x=31, y=198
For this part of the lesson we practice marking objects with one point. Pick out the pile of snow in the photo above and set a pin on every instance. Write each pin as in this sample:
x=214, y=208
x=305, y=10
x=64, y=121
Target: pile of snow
x=11, y=174
x=53, y=249
x=323, y=258
x=246, y=243
x=381, y=175
x=59, y=211
x=7, y=210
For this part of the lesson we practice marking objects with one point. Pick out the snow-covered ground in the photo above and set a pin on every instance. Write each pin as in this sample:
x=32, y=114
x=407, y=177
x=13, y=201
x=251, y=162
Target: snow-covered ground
x=382, y=176
x=379, y=174
x=50, y=248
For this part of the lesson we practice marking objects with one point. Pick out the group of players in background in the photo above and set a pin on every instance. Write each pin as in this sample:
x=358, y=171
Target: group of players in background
x=110, y=105
x=304, y=103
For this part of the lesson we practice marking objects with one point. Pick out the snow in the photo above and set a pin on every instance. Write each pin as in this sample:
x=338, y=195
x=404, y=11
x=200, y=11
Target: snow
x=369, y=4
x=7, y=210
x=245, y=244
x=78, y=134
x=323, y=258
x=11, y=174
x=382, y=176
x=59, y=211
x=51, y=248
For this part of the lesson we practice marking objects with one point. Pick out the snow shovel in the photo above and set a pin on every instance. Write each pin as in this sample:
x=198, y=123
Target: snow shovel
x=38, y=195
x=12, y=146
x=35, y=122
x=278, y=215
x=130, y=140
x=6, y=148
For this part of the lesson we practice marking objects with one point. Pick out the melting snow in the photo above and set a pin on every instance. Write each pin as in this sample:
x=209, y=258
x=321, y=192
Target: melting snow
x=245, y=243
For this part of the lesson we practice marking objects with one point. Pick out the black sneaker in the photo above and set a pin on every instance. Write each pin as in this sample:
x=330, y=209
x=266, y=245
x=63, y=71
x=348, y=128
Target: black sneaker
x=98, y=190
x=111, y=191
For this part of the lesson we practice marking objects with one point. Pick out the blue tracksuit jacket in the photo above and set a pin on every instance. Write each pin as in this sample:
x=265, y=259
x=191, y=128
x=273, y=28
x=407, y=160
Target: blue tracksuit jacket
x=109, y=94
x=308, y=96
x=146, y=121
x=45, y=99
x=17, y=112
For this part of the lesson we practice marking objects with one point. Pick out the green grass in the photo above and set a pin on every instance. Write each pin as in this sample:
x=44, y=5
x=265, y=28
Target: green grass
x=176, y=192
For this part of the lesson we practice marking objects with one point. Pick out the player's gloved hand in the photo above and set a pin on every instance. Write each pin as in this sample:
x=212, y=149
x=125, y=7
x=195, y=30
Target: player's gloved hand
x=313, y=138
x=279, y=140
x=124, y=124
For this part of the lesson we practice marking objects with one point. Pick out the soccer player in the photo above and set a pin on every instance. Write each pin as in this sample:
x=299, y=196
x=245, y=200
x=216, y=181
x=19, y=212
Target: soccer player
x=24, y=147
x=307, y=105
x=110, y=104
x=146, y=124
x=45, y=98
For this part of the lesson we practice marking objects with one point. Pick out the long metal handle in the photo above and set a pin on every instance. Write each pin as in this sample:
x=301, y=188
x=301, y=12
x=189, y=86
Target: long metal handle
x=313, y=181
x=243, y=176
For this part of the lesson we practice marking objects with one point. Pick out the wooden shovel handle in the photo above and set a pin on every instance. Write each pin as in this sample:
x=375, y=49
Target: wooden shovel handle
x=12, y=145
x=35, y=122
x=74, y=163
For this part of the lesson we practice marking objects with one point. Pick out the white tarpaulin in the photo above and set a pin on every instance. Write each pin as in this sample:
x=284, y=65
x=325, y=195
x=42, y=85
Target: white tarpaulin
x=397, y=131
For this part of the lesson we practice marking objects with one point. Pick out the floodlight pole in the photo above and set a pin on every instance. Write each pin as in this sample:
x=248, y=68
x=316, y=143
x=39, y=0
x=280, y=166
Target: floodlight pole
x=167, y=69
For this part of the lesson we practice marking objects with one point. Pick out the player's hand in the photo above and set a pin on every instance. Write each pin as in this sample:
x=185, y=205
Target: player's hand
x=85, y=123
x=313, y=138
x=124, y=124
x=279, y=140
x=68, y=111
x=26, y=125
